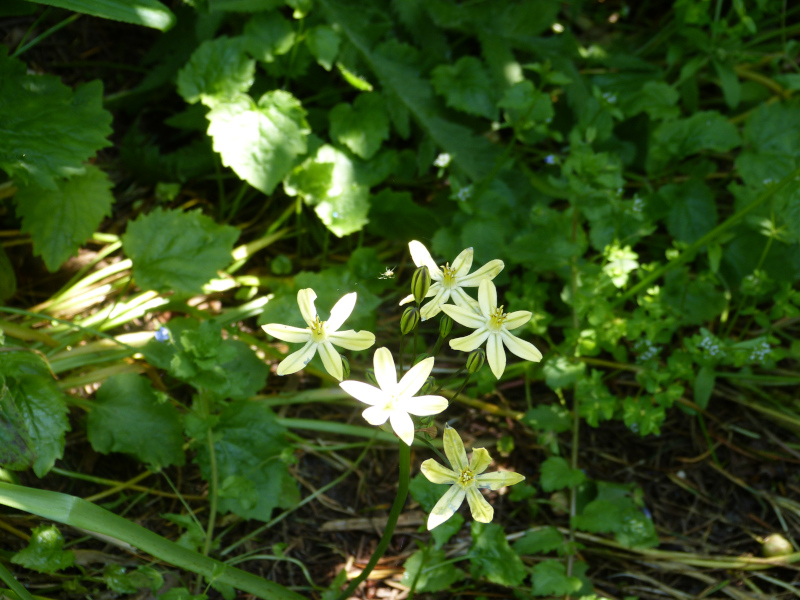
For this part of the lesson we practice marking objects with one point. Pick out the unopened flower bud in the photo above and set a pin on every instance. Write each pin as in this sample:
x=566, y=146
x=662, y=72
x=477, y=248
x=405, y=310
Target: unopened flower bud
x=776, y=545
x=445, y=325
x=420, y=283
x=409, y=320
x=427, y=386
x=345, y=368
x=475, y=360
x=370, y=375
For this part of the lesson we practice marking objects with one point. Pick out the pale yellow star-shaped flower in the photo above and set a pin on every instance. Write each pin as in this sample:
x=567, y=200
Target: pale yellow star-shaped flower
x=449, y=281
x=465, y=478
x=492, y=326
x=320, y=336
x=395, y=401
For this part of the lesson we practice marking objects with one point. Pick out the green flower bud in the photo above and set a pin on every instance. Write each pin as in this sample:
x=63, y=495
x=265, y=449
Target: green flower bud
x=409, y=320
x=370, y=375
x=427, y=386
x=345, y=368
x=445, y=325
x=776, y=545
x=475, y=360
x=420, y=283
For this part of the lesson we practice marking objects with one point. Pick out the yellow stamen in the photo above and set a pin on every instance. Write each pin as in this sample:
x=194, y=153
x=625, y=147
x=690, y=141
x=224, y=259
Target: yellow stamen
x=318, y=329
x=466, y=477
x=449, y=275
x=498, y=317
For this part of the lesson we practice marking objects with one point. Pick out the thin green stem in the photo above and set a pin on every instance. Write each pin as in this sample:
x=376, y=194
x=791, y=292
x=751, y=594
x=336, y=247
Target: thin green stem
x=402, y=345
x=46, y=34
x=399, y=501
x=419, y=572
x=446, y=381
x=8, y=578
x=461, y=389
x=212, y=493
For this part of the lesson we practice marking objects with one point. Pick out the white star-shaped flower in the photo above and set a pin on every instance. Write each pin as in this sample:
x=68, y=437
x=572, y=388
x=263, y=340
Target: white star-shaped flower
x=320, y=335
x=448, y=281
x=395, y=400
x=492, y=324
x=465, y=478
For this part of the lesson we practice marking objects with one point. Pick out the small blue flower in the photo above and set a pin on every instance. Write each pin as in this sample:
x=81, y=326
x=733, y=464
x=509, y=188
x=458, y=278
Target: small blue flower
x=550, y=159
x=162, y=335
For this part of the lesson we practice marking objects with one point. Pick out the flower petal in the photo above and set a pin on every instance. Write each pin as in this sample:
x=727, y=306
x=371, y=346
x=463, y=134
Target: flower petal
x=487, y=297
x=364, y=392
x=414, y=379
x=385, y=371
x=464, y=316
x=480, y=460
x=470, y=342
x=463, y=300
x=340, y=311
x=403, y=426
x=423, y=406
x=463, y=262
x=305, y=300
x=521, y=348
x=437, y=473
x=407, y=299
x=287, y=333
x=297, y=360
x=352, y=340
x=495, y=355
x=375, y=415
x=481, y=510
x=454, y=449
x=446, y=506
x=517, y=319
x=487, y=271
x=421, y=256
x=498, y=479
x=434, y=307
x=331, y=360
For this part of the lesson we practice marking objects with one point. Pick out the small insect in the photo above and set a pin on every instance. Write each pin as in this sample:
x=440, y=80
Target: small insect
x=387, y=274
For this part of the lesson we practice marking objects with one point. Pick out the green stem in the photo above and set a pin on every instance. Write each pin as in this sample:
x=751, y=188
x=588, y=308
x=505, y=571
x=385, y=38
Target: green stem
x=689, y=253
x=391, y=523
x=402, y=344
x=461, y=389
x=212, y=493
x=8, y=578
x=46, y=34
x=76, y=512
x=419, y=572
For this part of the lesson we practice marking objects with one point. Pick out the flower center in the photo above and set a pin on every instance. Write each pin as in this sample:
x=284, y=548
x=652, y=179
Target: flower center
x=497, y=317
x=449, y=274
x=466, y=477
x=318, y=330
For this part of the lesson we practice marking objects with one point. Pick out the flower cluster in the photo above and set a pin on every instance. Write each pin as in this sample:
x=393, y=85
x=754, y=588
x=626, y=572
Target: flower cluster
x=396, y=401
x=759, y=352
x=711, y=346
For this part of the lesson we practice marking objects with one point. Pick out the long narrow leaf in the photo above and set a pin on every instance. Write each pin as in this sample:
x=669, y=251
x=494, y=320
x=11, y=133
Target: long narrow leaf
x=77, y=512
x=149, y=13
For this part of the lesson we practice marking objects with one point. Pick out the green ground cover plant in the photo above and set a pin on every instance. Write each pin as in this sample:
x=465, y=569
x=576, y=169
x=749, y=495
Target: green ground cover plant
x=270, y=269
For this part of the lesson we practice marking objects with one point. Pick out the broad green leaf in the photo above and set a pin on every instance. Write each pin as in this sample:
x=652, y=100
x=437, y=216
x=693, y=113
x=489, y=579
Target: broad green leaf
x=323, y=43
x=8, y=279
x=260, y=142
x=244, y=5
x=703, y=386
x=248, y=443
x=181, y=593
x=416, y=222
x=773, y=129
x=149, y=13
x=692, y=210
x=45, y=551
x=550, y=579
x=362, y=126
x=177, y=250
x=729, y=82
x=642, y=415
x=35, y=413
x=595, y=402
x=434, y=576
x=696, y=300
x=466, y=86
x=491, y=556
x=618, y=515
x=60, y=220
x=268, y=35
x=428, y=494
x=48, y=130
x=200, y=356
x=526, y=106
x=542, y=541
x=556, y=474
x=127, y=415
x=218, y=70
x=194, y=537
x=548, y=417
x=600, y=516
x=656, y=98
x=120, y=580
x=337, y=192
x=561, y=372
x=471, y=153
x=678, y=139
